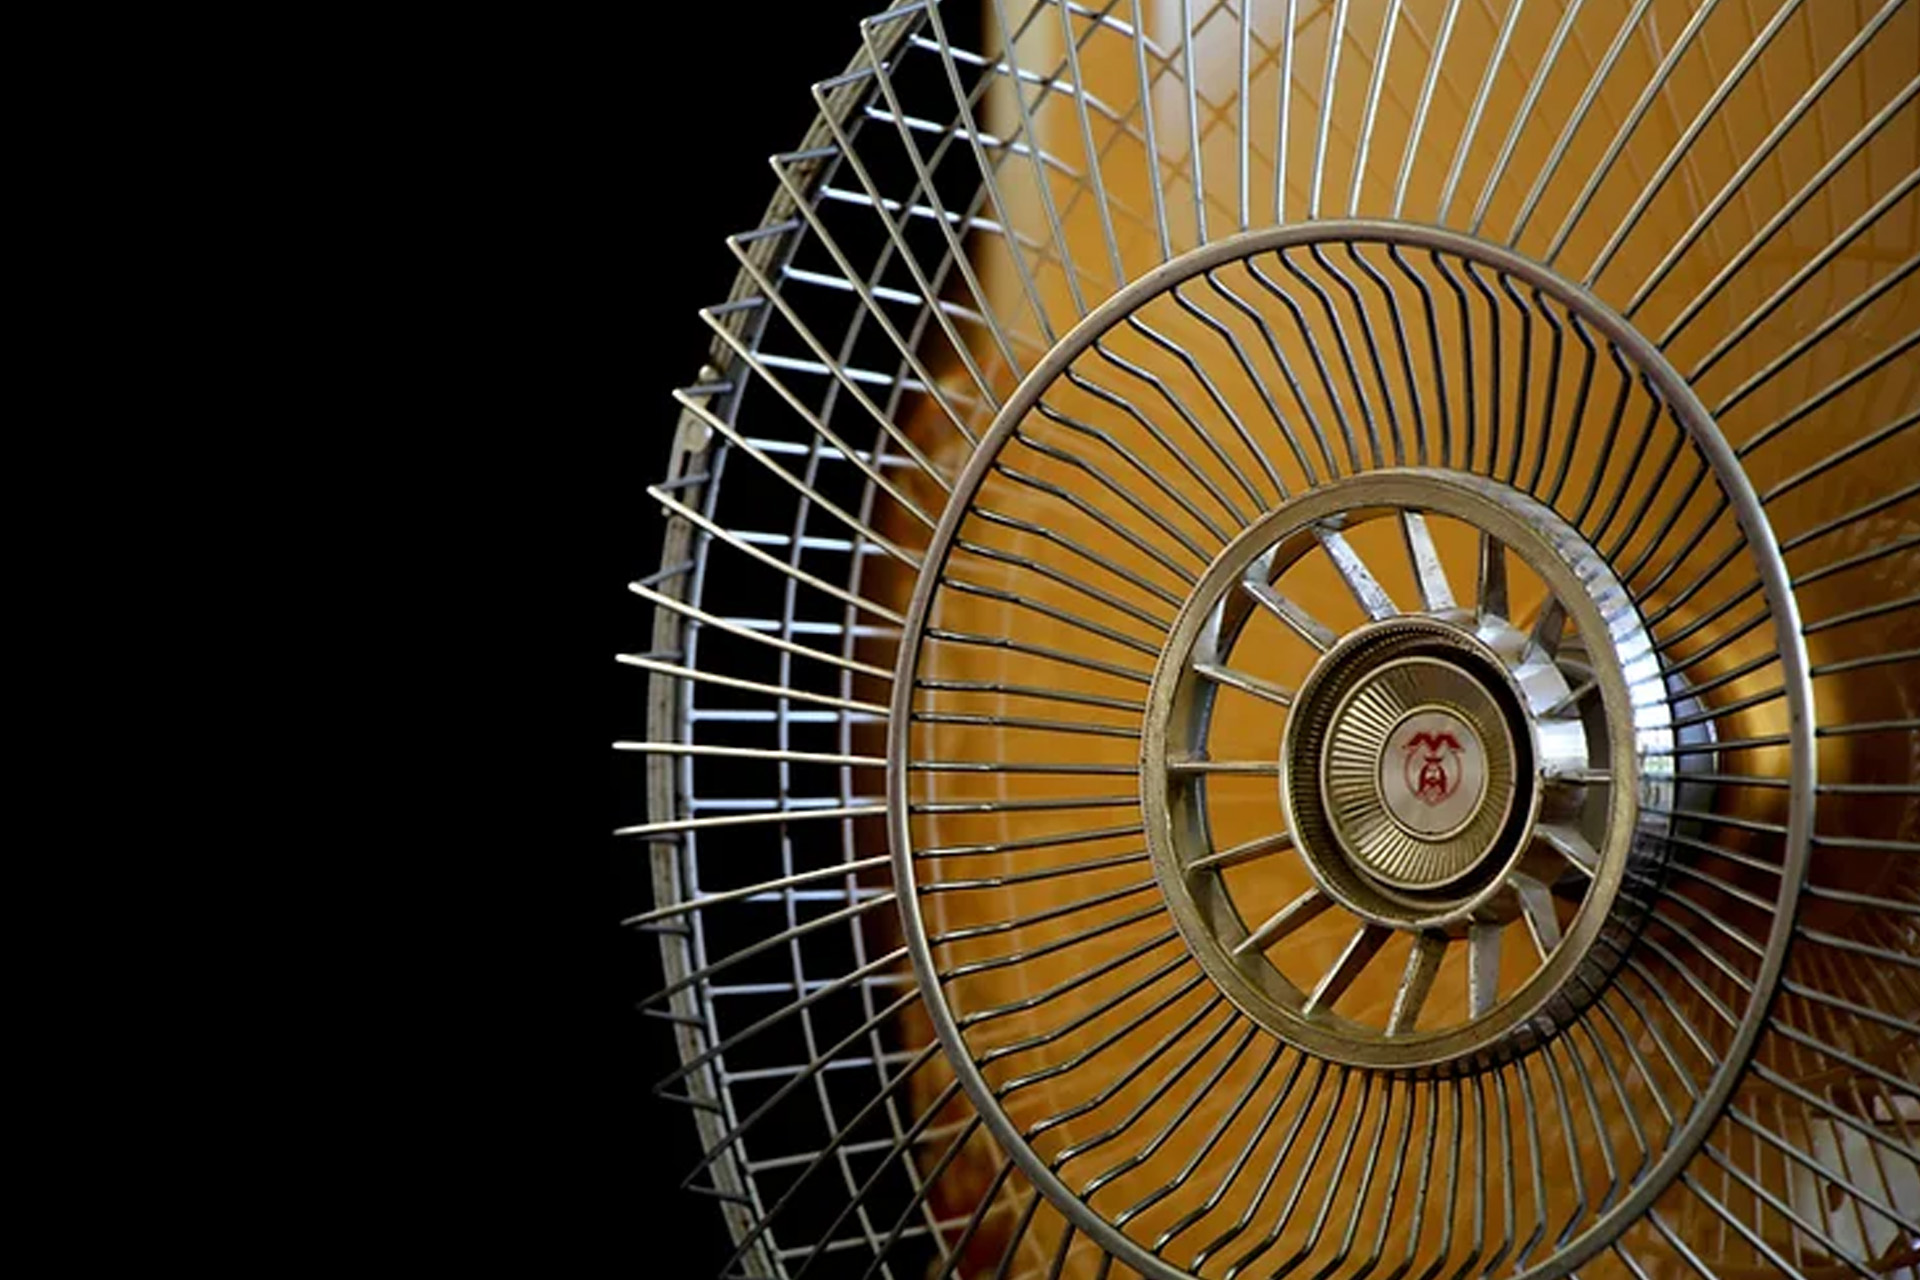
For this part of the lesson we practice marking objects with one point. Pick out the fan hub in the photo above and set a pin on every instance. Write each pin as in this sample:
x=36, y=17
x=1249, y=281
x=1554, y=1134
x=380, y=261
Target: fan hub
x=1416, y=772
x=1441, y=778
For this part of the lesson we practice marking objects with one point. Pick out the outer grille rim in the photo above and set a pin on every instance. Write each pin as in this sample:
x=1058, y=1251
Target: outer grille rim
x=1760, y=542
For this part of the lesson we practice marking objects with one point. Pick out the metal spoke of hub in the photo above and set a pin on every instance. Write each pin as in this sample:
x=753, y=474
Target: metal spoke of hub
x=1492, y=584
x=1423, y=966
x=1536, y=907
x=1571, y=845
x=1258, y=686
x=1357, y=954
x=1436, y=595
x=1301, y=623
x=1483, y=967
x=1367, y=591
x=1246, y=851
x=1307, y=907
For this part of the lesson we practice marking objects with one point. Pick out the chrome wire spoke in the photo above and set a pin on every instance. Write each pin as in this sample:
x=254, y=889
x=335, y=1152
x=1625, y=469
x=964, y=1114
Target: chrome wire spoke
x=1444, y=774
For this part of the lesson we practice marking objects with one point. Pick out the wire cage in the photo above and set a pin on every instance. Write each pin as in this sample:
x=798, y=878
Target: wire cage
x=1287, y=645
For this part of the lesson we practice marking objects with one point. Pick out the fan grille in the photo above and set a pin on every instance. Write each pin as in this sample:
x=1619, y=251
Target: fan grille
x=1046, y=1090
x=1737, y=180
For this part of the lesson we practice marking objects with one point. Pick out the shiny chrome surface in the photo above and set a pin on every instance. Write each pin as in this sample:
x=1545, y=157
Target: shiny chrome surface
x=1421, y=765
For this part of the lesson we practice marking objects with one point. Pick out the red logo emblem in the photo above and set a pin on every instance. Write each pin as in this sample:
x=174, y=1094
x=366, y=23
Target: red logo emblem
x=1433, y=766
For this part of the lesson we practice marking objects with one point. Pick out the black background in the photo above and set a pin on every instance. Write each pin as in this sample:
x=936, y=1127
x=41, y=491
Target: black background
x=715, y=99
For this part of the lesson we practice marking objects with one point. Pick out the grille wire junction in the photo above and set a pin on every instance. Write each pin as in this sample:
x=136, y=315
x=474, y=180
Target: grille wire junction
x=1287, y=645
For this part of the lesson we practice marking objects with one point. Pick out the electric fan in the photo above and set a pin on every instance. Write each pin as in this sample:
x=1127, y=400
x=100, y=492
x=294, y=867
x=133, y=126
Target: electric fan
x=1289, y=644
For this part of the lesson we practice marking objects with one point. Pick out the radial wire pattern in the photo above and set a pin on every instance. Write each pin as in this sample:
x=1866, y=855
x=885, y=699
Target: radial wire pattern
x=1289, y=644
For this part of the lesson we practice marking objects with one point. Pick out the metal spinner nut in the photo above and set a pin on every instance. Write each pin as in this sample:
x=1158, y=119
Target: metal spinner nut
x=1407, y=772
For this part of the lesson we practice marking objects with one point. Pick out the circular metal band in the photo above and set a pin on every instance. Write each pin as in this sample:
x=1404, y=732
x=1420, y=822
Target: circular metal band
x=1762, y=547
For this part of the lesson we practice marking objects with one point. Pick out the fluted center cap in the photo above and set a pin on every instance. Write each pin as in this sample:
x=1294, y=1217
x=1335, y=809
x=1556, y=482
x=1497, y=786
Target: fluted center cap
x=1417, y=772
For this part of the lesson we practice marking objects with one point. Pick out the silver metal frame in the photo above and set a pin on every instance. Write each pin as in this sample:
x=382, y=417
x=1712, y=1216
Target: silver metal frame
x=680, y=580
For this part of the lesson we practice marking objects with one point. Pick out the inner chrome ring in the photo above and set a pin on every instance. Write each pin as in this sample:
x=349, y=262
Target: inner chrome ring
x=1440, y=779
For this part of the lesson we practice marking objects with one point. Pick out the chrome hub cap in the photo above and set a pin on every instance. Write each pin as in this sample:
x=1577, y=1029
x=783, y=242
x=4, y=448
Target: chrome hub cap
x=1411, y=775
